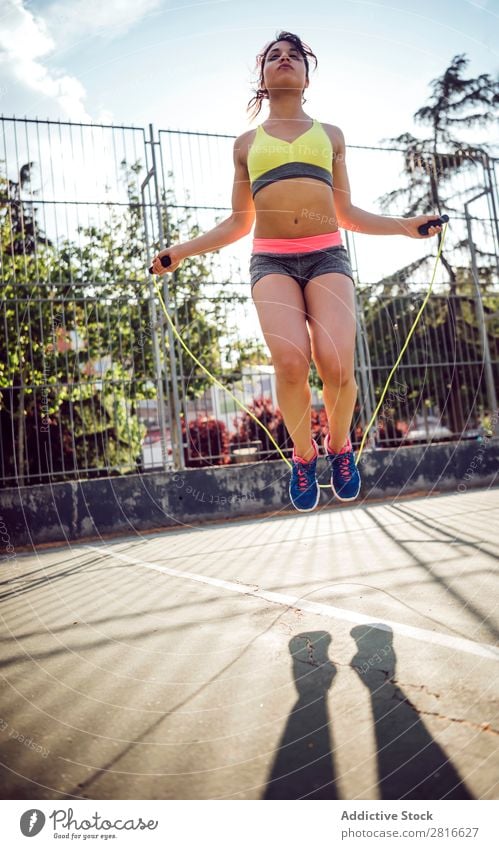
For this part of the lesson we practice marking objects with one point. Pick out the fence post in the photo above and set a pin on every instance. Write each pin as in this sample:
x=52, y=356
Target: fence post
x=365, y=370
x=482, y=326
x=155, y=326
x=173, y=396
x=490, y=174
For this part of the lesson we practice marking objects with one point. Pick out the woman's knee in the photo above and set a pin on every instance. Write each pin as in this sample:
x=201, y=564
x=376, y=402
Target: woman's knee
x=336, y=372
x=292, y=367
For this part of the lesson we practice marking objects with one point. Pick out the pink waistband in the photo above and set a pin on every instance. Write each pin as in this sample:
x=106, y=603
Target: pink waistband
x=303, y=245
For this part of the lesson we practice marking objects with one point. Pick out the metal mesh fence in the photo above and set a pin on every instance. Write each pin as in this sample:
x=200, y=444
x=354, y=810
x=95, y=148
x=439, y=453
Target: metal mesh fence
x=93, y=381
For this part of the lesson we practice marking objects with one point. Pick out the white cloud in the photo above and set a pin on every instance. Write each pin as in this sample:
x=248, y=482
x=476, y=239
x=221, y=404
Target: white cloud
x=109, y=18
x=25, y=41
x=29, y=37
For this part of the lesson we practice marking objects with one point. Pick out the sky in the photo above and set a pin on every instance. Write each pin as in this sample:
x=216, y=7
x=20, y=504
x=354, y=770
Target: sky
x=191, y=66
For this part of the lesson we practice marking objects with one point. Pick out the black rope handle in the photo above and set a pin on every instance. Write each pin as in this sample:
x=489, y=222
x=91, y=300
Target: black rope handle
x=423, y=228
x=165, y=262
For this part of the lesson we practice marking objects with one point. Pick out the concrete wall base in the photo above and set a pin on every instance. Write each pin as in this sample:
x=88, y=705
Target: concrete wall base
x=123, y=505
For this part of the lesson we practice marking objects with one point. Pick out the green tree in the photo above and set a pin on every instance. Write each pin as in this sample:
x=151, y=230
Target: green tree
x=72, y=307
x=431, y=165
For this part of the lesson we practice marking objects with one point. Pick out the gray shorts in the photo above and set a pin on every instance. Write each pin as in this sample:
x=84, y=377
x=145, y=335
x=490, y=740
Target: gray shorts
x=301, y=266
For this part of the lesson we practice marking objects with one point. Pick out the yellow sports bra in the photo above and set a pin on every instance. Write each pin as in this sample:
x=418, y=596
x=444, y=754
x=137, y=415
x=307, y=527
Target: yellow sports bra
x=271, y=159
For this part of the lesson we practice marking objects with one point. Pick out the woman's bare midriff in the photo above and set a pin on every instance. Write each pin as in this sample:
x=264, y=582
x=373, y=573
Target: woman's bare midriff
x=292, y=208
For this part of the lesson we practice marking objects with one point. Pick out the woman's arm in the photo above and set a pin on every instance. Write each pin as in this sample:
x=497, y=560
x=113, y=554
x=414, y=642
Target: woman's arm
x=233, y=228
x=223, y=234
x=383, y=225
x=351, y=217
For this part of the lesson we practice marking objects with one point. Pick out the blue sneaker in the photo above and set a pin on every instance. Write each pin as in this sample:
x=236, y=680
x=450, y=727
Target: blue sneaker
x=345, y=478
x=304, y=490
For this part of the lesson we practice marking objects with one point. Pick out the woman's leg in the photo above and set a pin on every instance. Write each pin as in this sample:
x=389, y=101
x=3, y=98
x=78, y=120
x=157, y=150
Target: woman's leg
x=281, y=310
x=330, y=302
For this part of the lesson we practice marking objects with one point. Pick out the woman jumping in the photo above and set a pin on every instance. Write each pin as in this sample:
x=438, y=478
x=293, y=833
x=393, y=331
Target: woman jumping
x=299, y=269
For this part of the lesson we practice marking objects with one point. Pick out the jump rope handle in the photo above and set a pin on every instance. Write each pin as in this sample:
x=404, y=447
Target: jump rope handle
x=423, y=228
x=165, y=262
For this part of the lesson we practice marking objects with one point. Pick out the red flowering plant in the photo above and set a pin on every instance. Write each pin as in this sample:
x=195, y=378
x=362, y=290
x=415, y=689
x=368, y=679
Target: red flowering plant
x=248, y=431
x=207, y=443
x=319, y=425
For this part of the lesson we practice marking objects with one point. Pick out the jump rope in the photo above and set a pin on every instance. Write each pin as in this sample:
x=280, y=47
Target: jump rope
x=423, y=229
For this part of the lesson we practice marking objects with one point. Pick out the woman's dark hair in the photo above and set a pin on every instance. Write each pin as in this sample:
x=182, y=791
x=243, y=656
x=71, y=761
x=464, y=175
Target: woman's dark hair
x=261, y=92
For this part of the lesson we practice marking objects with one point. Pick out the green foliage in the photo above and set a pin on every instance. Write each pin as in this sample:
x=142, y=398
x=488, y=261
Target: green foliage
x=79, y=352
x=103, y=425
x=449, y=332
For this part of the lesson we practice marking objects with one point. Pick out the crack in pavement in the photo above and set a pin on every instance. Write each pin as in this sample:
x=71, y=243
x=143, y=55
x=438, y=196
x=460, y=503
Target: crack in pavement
x=483, y=726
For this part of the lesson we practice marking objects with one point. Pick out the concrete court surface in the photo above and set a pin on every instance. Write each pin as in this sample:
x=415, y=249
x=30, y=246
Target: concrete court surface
x=346, y=653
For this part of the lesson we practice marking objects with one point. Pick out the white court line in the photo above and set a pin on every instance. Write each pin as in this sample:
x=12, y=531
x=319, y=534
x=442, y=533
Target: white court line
x=460, y=643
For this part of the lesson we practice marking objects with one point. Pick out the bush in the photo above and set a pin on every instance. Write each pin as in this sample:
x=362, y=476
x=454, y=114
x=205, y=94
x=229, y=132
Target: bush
x=207, y=440
x=262, y=408
x=247, y=429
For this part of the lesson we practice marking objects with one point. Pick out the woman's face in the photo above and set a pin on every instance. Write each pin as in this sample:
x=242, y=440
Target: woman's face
x=284, y=68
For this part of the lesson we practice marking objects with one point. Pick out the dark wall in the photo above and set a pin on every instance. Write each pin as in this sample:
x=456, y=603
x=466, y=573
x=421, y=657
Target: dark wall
x=85, y=509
